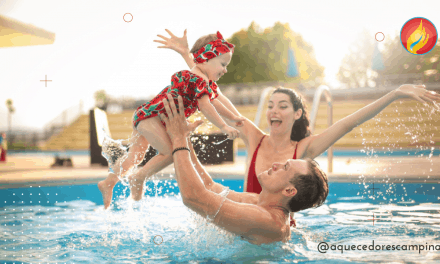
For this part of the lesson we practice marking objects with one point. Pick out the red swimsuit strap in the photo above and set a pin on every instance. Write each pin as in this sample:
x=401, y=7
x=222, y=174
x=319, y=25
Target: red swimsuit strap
x=256, y=150
x=254, y=157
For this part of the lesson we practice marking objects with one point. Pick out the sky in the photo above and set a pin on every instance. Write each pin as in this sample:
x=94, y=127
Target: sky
x=96, y=49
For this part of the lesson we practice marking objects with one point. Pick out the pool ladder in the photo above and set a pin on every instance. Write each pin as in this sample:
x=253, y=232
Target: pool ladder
x=322, y=90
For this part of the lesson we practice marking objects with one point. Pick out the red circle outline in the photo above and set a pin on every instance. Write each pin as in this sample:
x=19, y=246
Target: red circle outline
x=123, y=17
x=375, y=37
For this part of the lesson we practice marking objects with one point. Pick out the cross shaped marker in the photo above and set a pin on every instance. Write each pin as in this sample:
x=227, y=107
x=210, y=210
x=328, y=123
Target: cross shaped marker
x=46, y=80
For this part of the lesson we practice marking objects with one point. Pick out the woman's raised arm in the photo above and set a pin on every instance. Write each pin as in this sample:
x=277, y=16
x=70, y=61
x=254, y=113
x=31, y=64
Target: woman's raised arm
x=180, y=45
x=319, y=143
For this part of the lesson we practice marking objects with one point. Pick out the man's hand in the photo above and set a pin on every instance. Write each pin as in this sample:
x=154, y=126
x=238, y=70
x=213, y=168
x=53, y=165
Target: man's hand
x=177, y=126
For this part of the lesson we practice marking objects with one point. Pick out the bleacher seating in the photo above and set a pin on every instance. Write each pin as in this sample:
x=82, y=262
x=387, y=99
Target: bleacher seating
x=402, y=124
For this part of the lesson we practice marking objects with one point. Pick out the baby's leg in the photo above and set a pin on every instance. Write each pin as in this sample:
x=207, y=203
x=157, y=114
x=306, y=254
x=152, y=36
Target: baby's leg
x=138, y=146
x=153, y=130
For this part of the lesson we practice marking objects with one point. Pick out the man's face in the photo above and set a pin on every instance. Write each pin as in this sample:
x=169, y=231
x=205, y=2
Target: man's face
x=278, y=176
x=216, y=67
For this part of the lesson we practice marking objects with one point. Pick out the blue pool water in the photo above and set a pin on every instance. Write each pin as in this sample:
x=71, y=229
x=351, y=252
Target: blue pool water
x=67, y=224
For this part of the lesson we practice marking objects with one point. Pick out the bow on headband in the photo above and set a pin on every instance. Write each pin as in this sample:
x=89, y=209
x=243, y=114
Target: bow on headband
x=213, y=49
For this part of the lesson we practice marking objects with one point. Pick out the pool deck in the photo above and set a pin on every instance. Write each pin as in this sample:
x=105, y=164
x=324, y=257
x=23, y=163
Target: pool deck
x=34, y=170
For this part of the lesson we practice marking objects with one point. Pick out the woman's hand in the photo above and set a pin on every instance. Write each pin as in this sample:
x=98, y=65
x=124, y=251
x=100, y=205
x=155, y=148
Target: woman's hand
x=180, y=45
x=238, y=120
x=417, y=92
x=230, y=131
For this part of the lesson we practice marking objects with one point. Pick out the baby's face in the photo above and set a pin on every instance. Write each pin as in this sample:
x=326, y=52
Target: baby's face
x=216, y=67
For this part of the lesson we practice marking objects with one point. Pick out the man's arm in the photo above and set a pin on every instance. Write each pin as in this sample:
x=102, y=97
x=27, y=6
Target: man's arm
x=215, y=187
x=238, y=218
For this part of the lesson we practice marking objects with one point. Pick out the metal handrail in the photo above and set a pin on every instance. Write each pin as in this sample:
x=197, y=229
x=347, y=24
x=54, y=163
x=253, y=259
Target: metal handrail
x=323, y=89
x=259, y=114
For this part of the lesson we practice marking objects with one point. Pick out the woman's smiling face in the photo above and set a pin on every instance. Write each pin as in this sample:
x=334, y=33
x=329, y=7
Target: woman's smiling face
x=280, y=113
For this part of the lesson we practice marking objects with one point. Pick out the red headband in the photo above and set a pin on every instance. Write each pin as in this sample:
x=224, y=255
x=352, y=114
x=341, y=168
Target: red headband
x=213, y=49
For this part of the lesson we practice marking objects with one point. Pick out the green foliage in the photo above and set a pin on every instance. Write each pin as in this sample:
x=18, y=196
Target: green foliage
x=9, y=105
x=101, y=96
x=261, y=55
x=356, y=71
x=399, y=61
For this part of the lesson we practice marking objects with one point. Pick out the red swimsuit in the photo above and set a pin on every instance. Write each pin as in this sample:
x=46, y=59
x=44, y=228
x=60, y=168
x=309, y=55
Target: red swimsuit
x=253, y=185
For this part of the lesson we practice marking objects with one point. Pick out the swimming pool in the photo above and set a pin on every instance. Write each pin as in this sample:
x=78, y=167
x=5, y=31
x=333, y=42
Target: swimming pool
x=67, y=224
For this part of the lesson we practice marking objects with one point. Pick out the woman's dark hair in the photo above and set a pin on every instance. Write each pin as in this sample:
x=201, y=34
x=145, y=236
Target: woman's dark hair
x=202, y=41
x=312, y=188
x=300, y=128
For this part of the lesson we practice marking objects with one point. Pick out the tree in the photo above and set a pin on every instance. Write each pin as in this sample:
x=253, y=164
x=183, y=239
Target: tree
x=355, y=70
x=400, y=65
x=11, y=110
x=399, y=61
x=261, y=55
x=101, y=99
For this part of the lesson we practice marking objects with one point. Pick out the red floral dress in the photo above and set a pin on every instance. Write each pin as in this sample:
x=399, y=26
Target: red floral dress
x=184, y=83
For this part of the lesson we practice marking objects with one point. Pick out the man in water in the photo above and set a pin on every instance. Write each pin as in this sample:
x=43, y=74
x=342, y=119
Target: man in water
x=259, y=218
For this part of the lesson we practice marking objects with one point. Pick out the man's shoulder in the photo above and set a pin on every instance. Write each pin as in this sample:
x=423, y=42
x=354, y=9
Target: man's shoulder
x=249, y=197
x=272, y=229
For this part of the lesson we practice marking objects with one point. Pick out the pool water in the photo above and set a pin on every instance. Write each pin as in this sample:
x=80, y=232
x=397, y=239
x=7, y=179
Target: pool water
x=67, y=224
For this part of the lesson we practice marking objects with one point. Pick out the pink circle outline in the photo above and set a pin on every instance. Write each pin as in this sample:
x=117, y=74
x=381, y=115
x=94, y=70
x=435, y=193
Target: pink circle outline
x=123, y=17
x=375, y=36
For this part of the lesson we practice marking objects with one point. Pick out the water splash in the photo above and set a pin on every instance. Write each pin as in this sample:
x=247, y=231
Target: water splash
x=218, y=143
x=112, y=151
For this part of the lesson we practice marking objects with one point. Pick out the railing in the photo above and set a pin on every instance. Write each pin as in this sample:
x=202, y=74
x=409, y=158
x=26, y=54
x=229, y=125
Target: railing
x=263, y=96
x=319, y=92
x=33, y=137
x=317, y=97
x=64, y=119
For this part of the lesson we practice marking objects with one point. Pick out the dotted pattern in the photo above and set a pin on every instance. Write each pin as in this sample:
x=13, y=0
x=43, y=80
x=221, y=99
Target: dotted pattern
x=37, y=222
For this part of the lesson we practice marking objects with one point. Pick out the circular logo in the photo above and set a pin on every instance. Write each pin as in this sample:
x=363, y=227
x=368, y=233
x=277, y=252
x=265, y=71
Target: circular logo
x=418, y=36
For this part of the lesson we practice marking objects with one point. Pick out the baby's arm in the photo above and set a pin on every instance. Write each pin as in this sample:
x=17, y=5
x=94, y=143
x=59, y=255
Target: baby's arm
x=222, y=110
x=189, y=59
x=210, y=112
x=225, y=101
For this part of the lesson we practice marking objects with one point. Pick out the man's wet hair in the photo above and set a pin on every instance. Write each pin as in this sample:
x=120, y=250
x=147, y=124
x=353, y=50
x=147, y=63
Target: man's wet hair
x=312, y=188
